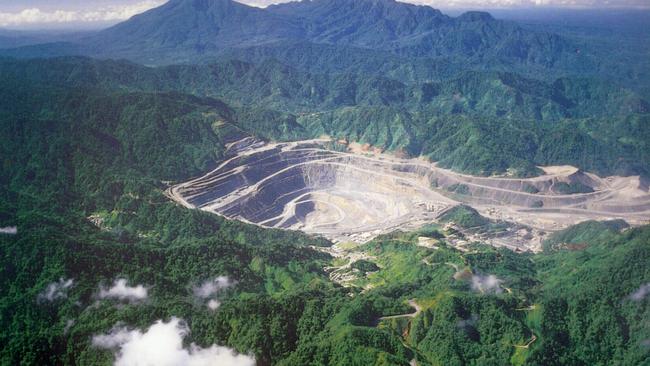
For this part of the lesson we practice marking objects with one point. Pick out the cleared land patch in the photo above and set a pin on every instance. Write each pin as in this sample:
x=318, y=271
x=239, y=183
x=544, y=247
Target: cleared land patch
x=348, y=196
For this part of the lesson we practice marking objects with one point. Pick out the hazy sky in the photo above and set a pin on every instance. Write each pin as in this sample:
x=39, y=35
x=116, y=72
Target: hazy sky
x=73, y=13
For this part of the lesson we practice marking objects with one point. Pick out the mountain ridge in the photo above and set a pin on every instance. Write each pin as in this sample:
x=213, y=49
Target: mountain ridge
x=196, y=31
x=497, y=94
x=385, y=25
x=478, y=123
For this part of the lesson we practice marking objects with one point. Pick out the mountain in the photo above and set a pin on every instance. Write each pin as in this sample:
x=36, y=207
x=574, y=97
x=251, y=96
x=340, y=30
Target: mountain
x=368, y=23
x=402, y=41
x=192, y=28
x=203, y=28
x=82, y=178
x=90, y=149
x=194, y=31
x=83, y=174
x=479, y=122
x=13, y=38
x=9, y=39
x=277, y=86
x=419, y=31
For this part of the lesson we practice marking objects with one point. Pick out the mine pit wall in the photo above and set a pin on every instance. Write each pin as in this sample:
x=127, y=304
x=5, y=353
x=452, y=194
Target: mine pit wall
x=305, y=171
x=487, y=195
x=248, y=170
x=543, y=184
x=270, y=197
x=354, y=174
x=241, y=187
x=320, y=176
x=303, y=209
x=215, y=191
x=444, y=179
x=622, y=209
x=510, y=191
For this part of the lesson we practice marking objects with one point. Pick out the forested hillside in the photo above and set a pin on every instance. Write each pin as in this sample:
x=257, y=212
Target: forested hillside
x=481, y=123
x=82, y=177
x=82, y=181
x=406, y=42
x=97, y=262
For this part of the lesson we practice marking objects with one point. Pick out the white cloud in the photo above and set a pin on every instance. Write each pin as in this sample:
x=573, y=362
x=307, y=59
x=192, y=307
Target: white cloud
x=114, y=339
x=486, y=284
x=121, y=291
x=211, y=287
x=214, y=304
x=641, y=292
x=10, y=230
x=56, y=290
x=113, y=13
x=68, y=324
x=162, y=345
x=471, y=322
x=262, y=3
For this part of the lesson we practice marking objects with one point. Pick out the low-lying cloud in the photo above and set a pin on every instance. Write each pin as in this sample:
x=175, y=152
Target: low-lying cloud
x=56, y=290
x=10, y=230
x=114, y=339
x=162, y=345
x=465, y=323
x=68, y=324
x=214, y=304
x=487, y=284
x=121, y=291
x=640, y=293
x=211, y=288
x=112, y=13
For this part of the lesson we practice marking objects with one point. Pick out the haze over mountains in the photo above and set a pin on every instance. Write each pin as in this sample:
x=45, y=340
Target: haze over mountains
x=198, y=30
x=404, y=41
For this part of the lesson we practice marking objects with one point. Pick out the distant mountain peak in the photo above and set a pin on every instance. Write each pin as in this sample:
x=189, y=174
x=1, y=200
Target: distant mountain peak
x=201, y=3
x=206, y=5
x=344, y=5
x=186, y=31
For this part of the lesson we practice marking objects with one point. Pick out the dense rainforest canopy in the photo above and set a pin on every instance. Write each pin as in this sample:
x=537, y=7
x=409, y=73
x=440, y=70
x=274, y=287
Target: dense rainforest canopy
x=82, y=177
x=89, y=147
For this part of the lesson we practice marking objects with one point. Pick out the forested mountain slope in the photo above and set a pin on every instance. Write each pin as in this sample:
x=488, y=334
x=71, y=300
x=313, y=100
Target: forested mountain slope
x=82, y=179
x=284, y=88
x=94, y=254
x=482, y=123
x=89, y=147
x=408, y=42
x=195, y=28
x=70, y=154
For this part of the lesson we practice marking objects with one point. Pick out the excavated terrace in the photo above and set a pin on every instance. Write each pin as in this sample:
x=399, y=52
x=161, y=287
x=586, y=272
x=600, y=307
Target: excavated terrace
x=349, y=196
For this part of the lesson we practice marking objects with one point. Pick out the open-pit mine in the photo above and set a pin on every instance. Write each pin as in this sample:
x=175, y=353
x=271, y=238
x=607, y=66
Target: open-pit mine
x=326, y=188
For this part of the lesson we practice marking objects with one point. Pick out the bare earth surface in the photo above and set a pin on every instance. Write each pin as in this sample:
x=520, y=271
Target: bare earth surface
x=355, y=195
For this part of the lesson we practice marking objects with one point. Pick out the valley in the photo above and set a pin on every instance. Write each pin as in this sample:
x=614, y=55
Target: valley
x=351, y=194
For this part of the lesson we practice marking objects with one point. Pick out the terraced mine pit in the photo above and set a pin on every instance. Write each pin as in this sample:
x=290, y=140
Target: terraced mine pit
x=348, y=196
